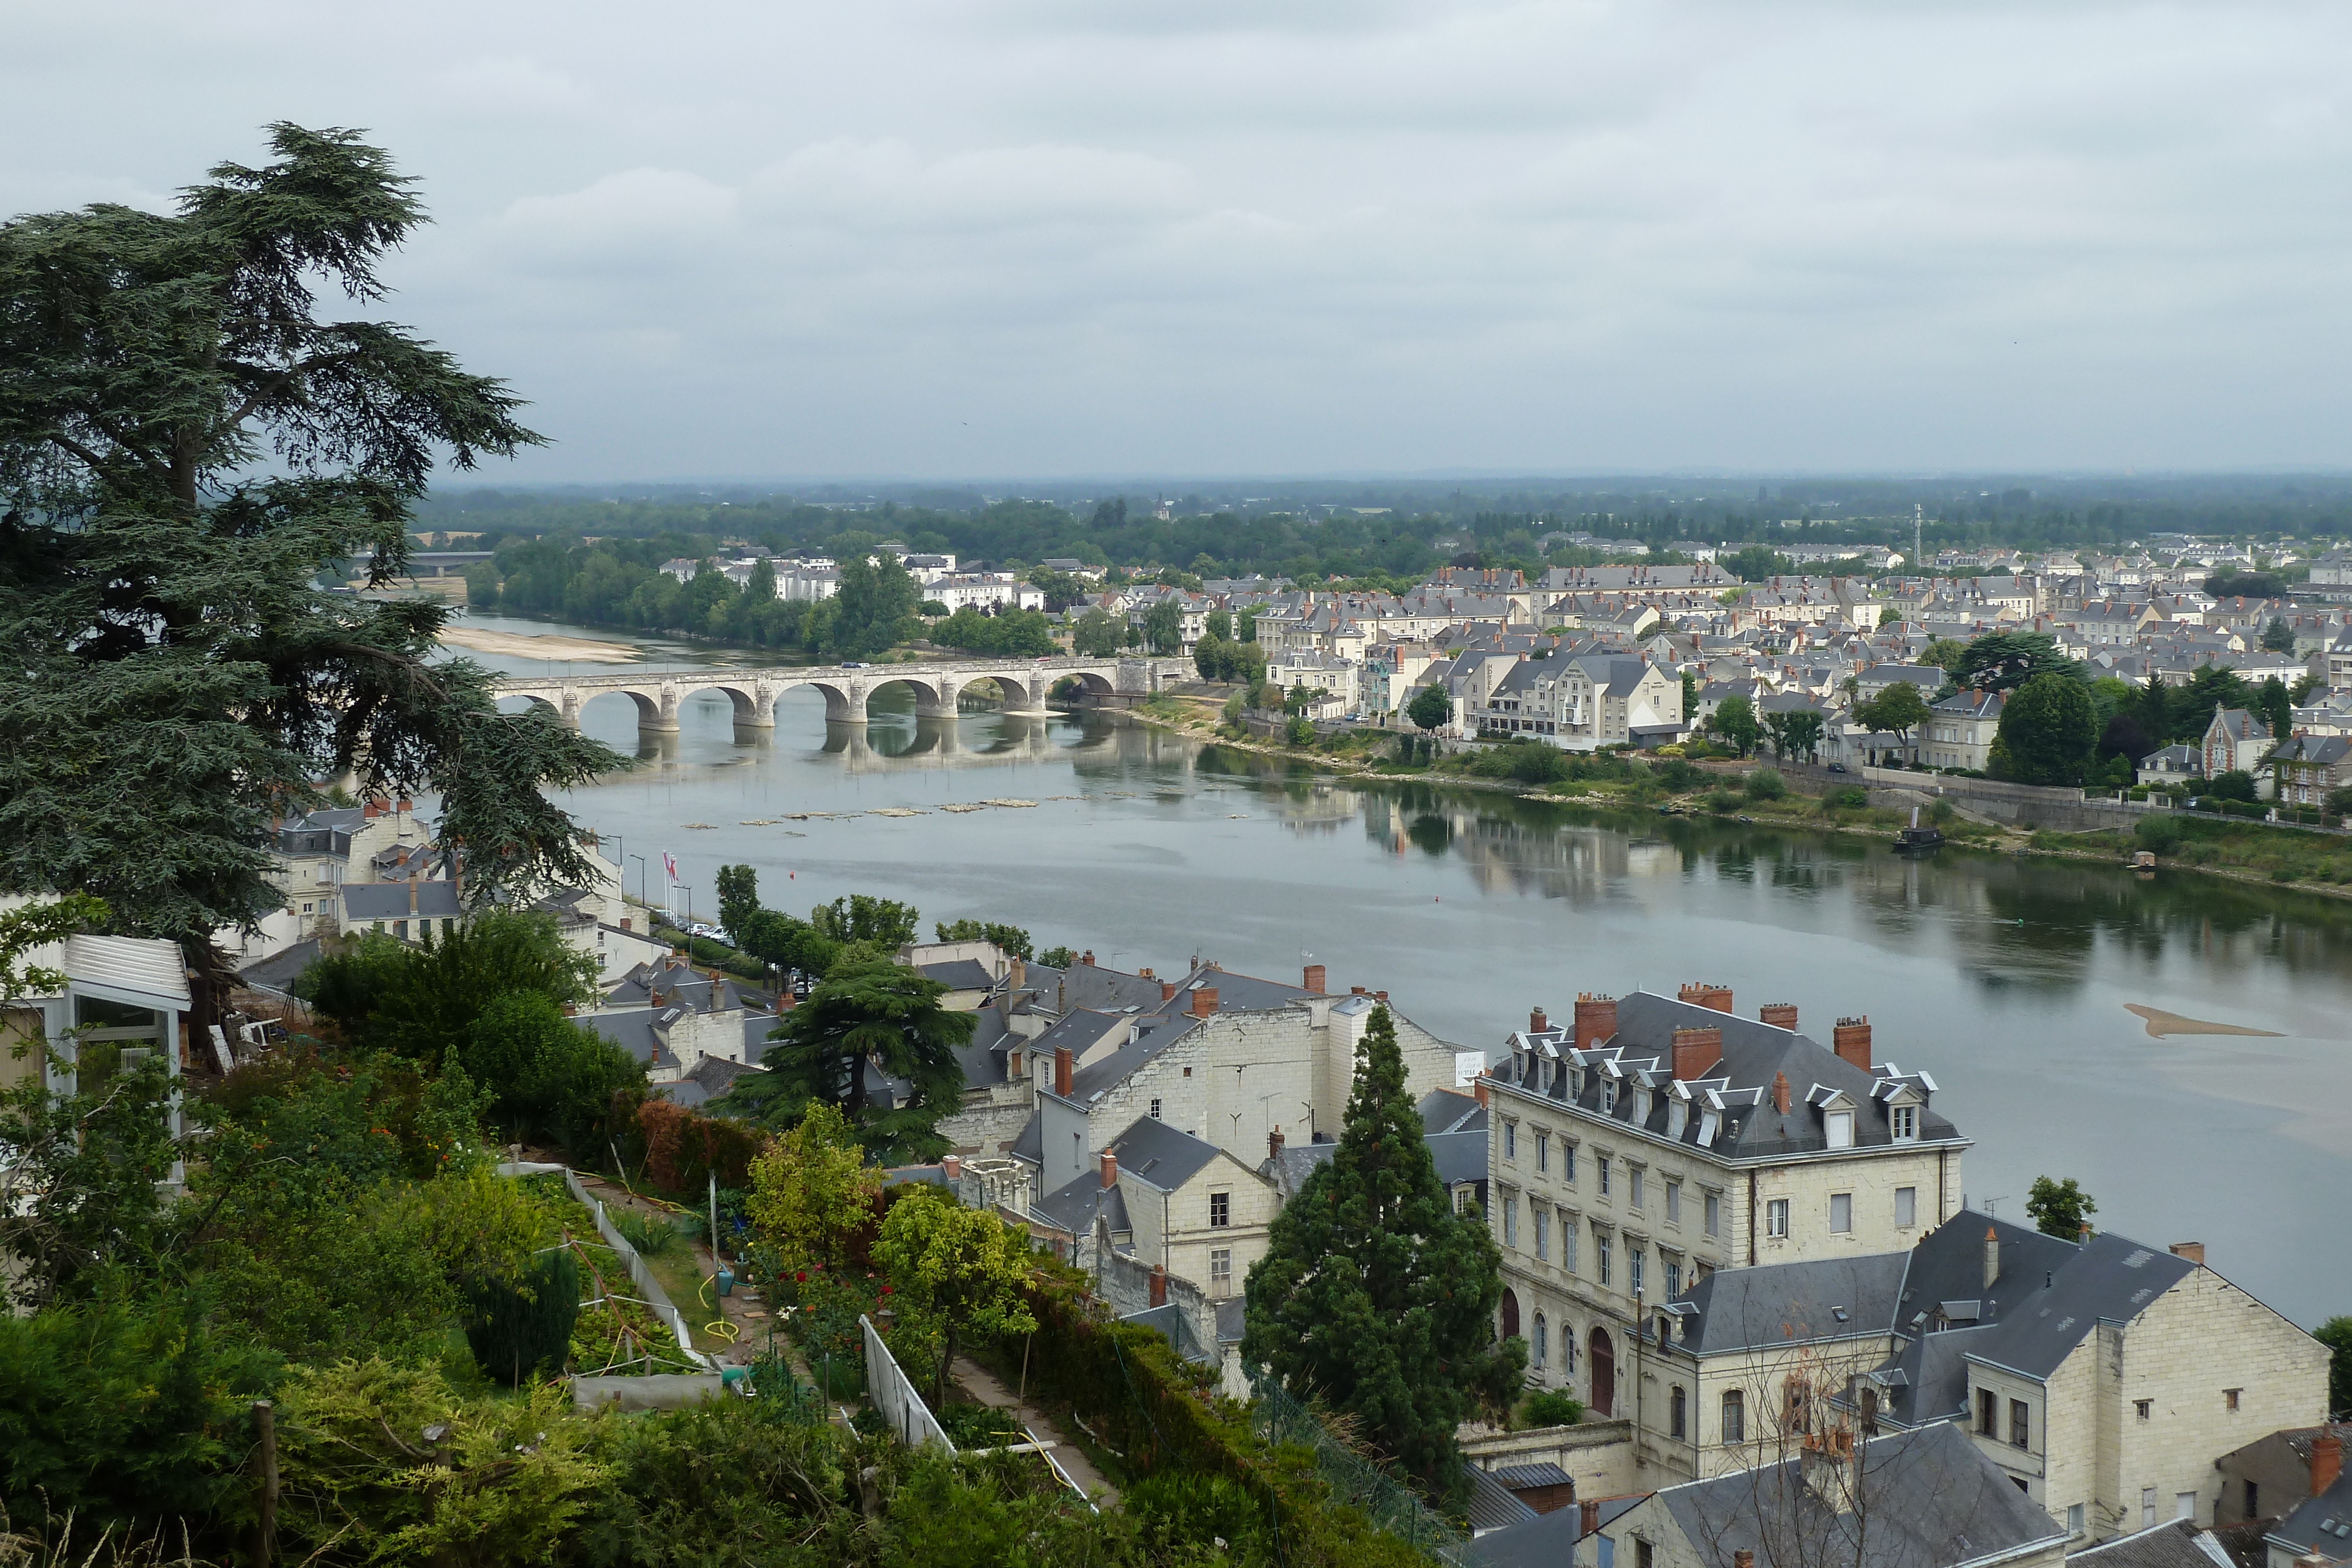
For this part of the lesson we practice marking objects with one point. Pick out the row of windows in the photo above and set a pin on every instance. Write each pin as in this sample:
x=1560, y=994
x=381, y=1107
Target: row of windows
x=1841, y=1215
x=1637, y=1182
x=1604, y=1250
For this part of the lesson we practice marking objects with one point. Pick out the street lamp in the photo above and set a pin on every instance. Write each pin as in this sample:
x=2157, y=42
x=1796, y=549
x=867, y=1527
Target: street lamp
x=641, y=881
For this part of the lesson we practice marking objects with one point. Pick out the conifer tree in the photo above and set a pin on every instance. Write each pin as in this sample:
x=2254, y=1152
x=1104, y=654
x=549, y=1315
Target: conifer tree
x=1374, y=1294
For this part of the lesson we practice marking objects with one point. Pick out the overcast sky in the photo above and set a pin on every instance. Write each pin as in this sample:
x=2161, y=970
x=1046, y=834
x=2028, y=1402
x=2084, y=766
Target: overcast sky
x=953, y=238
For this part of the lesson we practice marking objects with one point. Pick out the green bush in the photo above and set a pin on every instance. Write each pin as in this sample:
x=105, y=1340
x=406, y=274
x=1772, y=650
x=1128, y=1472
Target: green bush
x=980, y=1426
x=1846, y=798
x=2158, y=833
x=651, y=1234
x=1551, y=1407
x=1723, y=801
x=1678, y=775
x=518, y=1331
x=1766, y=784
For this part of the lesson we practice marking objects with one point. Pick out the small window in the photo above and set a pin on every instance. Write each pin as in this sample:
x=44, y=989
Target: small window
x=2184, y=1506
x=1840, y=1127
x=1636, y=1258
x=2253, y=1501
x=1221, y=1209
x=1601, y=1165
x=1543, y=1235
x=1543, y=1151
x=2073, y=1519
x=1221, y=1266
x=1566, y=1160
x=1735, y=1415
x=1540, y=1345
x=2145, y=1406
x=1713, y=1215
x=1634, y=1182
x=1906, y=1208
x=2147, y=1507
x=1776, y=1217
x=1840, y=1213
x=1510, y=1222
x=1677, y=1413
x=1674, y=1203
x=1642, y=1554
x=1674, y=1279
x=1568, y=1245
x=1988, y=1413
x=1464, y=1199
x=2020, y=1425
x=2229, y=1399
x=1188, y=1072
x=1903, y=1120
x=1601, y=1255
x=1510, y=1140
x=1155, y=1110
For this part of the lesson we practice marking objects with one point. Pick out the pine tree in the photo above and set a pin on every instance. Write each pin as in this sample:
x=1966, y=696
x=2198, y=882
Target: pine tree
x=1374, y=1294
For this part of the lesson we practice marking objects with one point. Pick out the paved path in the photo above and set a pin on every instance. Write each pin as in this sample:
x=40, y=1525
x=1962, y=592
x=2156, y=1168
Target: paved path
x=984, y=1386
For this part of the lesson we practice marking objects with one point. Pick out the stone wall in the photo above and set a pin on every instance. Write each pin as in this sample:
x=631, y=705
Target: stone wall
x=990, y=1119
x=1597, y=1455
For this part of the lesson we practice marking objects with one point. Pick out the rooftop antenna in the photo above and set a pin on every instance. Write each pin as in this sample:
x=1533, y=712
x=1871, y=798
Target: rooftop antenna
x=1918, y=532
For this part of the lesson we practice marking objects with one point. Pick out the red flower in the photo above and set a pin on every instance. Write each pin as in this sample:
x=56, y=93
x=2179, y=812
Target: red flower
x=885, y=1290
x=800, y=1278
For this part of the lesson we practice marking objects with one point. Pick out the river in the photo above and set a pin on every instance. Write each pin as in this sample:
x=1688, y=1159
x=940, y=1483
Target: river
x=2006, y=979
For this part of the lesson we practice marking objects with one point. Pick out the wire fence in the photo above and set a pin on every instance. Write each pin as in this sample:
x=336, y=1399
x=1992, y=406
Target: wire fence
x=1392, y=1507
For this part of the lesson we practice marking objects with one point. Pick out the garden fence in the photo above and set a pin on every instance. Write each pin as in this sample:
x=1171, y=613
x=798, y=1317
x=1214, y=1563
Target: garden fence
x=1281, y=1419
x=894, y=1397
x=655, y=1296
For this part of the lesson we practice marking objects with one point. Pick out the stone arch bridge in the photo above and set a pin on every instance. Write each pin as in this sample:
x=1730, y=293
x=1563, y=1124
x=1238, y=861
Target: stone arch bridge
x=845, y=687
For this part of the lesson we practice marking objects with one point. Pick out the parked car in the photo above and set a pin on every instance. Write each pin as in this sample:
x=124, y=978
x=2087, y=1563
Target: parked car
x=702, y=928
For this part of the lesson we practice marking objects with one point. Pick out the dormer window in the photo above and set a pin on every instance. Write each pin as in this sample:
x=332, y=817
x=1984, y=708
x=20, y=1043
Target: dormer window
x=1904, y=1122
x=1839, y=1126
x=1608, y=1095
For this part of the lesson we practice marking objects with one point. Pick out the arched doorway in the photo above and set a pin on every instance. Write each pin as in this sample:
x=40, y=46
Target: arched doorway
x=1510, y=1314
x=1604, y=1373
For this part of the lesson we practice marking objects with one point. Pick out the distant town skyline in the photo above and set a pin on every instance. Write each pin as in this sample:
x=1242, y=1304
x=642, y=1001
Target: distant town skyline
x=914, y=240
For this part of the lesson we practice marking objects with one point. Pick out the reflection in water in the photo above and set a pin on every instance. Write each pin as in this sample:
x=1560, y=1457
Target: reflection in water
x=2007, y=977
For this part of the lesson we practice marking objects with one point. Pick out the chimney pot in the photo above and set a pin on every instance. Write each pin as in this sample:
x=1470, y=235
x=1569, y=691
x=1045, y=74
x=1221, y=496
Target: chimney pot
x=1020, y=974
x=1109, y=1168
x=1596, y=1020
x=1851, y=1041
x=1781, y=1092
x=1537, y=1023
x=1588, y=1519
x=1062, y=1070
x=1779, y=1015
x=1355, y=990
x=951, y=1166
x=1167, y=991
x=1478, y=1087
x=1204, y=1001
x=1145, y=973
x=1314, y=979
x=1695, y=1051
x=1706, y=994
x=1274, y=1142
x=2192, y=1251
x=1088, y=958
x=2327, y=1460
x=1381, y=998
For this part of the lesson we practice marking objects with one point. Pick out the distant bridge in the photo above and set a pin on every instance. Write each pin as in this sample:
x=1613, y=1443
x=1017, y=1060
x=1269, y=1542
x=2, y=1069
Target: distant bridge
x=845, y=687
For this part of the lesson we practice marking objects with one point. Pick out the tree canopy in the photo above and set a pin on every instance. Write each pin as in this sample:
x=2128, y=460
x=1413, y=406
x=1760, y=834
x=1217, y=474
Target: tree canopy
x=2004, y=661
x=1374, y=1294
x=2060, y=1208
x=1733, y=723
x=1431, y=708
x=185, y=446
x=2049, y=731
x=866, y=1014
x=1897, y=711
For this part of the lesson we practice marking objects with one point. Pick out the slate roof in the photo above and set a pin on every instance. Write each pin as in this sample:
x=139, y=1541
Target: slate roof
x=961, y=975
x=283, y=968
x=1776, y=1304
x=1549, y=1540
x=2323, y=1524
x=1929, y=1497
x=1076, y=1205
x=1451, y=1110
x=2320, y=751
x=1459, y=1158
x=1732, y=1098
x=1029, y=1143
x=705, y=1082
x=2175, y=1544
x=366, y=901
x=1492, y=1506
x=1158, y=1155
x=1158, y=1032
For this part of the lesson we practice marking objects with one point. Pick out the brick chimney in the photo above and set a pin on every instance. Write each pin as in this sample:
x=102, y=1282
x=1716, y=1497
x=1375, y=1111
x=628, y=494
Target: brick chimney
x=1355, y=990
x=1204, y=1001
x=1742, y=1558
x=1537, y=1023
x=1062, y=1070
x=1167, y=991
x=1596, y=1020
x=1144, y=973
x=2192, y=1251
x=1088, y=958
x=1706, y=994
x=1478, y=1088
x=951, y=1166
x=1109, y=1168
x=1851, y=1041
x=2327, y=1460
x=1781, y=1092
x=1588, y=1519
x=1274, y=1143
x=1695, y=1051
x=1020, y=973
x=1779, y=1015
x=1314, y=980
x=1992, y=1257
x=1159, y=1284
x=1381, y=998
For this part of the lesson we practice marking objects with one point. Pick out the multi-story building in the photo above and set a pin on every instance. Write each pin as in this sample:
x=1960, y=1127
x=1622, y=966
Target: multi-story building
x=2234, y=742
x=1960, y=730
x=2307, y=768
x=1660, y=1139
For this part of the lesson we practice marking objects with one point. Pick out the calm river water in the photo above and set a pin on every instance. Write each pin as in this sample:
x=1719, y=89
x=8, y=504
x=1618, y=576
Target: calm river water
x=2006, y=979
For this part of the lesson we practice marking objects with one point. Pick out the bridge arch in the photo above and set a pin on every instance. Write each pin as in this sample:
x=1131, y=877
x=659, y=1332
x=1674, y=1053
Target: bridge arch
x=743, y=696
x=1022, y=692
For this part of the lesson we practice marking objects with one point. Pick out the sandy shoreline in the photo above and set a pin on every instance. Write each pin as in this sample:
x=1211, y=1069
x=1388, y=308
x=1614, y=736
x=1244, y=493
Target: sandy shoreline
x=2162, y=1025
x=519, y=645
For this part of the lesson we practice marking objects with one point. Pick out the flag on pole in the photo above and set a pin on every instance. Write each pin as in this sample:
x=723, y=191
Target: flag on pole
x=669, y=864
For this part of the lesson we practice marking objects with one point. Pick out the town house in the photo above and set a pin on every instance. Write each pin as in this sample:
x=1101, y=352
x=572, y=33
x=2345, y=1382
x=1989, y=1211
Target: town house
x=1661, y=1138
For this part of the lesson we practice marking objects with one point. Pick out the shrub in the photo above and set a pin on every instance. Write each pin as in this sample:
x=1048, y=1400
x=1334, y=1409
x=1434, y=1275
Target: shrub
x=1766, y=784
x=651, y=1234
x=2158, y=833
x=518, y=1329
x=1678, y=775
x=979, y=1425
x=1551, y=1407
x=1299, y=731
x=1846, y=798
x=1723, y=801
